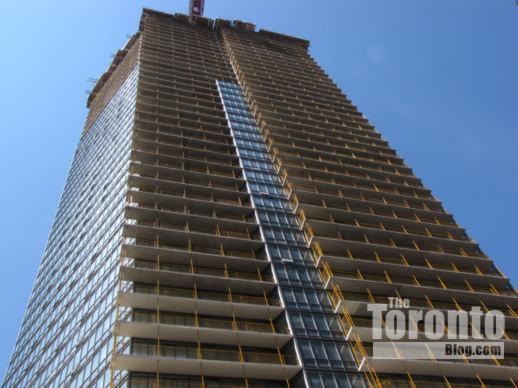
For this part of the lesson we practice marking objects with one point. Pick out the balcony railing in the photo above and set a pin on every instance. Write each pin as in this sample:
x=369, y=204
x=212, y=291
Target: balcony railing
x=419, y=282
x=183, y=190
x=191, y=269
x=209, y=183
x=213, y=354
x=141, y=145
x=208, y=295
x=368, y=297
x=212, y=323
x=198, y=248
x=191, y=227
x=402, y=242
x=211, y=213
x=203, y=168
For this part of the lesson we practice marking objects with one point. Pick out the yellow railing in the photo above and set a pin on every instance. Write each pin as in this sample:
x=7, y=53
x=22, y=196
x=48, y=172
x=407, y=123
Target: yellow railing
x=197, y=270
x=205, y=353
x=359, y=353
x=203, y=322
x=358, y=350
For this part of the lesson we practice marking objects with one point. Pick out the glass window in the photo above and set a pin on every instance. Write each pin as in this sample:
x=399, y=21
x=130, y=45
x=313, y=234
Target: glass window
x=328, y=380
x=320, y=353
x=333, y=355
x=309, y=323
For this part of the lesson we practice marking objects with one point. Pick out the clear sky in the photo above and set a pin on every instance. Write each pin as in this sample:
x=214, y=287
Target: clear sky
x=438, y=78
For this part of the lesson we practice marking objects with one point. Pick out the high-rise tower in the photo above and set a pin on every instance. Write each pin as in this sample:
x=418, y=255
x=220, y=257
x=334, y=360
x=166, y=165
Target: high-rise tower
x=227, y=220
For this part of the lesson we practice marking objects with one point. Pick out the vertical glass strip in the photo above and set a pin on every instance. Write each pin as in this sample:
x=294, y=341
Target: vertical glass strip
x=319, y=339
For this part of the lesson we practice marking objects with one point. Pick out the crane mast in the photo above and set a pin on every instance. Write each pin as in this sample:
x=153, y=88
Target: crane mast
x=196, y=8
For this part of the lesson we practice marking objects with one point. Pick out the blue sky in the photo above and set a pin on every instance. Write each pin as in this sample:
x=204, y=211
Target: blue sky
x=437, y=78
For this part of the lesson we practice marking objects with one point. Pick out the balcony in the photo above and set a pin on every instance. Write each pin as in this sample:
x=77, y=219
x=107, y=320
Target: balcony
x=198, y=247
x=407, y=222
x=479, y=271
x=403, y=209
x=177, y=163
x=450, y=368
x=156, y=209
x=356, y=305
x=338, y=163
x=188, y=127
x=354, y=179
x=411, y=273
x=187, y=190
x=162, y=137
x=191, y=202
x=214, y=163
x=194, y=238
x=149, y=379
x=187, y=360
x=390, y=238
x=138, y=216
x=282, y=141
x=191, y=175
x=149, y=148
x=212, y=119
x=194, y=328
x=333, y=248
x=354, y=282
x=312, y=190
x=197, y=259
x=363, y=329
x=290, y=153
x=216, y=279
x=187, y=300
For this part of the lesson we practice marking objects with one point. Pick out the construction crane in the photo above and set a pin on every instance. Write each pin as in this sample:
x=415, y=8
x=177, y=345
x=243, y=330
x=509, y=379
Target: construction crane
x=196, y=8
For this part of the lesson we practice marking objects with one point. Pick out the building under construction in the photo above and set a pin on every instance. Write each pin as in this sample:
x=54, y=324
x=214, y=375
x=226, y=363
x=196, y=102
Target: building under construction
x=228, y=217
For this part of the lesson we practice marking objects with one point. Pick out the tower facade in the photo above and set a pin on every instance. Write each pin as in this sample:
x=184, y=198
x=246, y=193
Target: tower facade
x=228, y=219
